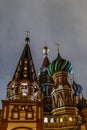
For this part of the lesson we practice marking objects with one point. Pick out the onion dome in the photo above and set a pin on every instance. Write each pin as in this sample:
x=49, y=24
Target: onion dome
x=59, y=64
x=77, y=88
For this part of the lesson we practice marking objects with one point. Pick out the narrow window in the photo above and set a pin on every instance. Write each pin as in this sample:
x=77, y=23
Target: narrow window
x=15, y=112
x=45, y=120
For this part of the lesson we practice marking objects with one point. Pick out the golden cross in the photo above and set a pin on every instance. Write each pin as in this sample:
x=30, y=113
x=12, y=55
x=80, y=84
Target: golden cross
x=58, y=45
x=27, y=33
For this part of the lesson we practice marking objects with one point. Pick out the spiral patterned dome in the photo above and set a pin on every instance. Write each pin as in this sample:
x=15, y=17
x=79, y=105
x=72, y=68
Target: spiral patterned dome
x=77, y=88
x=59, y=64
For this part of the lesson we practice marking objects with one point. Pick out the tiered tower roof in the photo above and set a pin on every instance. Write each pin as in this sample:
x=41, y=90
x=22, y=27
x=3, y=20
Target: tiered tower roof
x=46, y=61
x=25, y=67
x=24, y=82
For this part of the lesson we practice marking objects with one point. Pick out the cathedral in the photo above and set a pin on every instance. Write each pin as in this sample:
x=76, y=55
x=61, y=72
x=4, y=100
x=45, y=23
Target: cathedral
x=49, y=100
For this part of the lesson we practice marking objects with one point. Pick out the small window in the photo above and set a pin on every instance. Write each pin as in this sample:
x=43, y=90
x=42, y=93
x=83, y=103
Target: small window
x=15, y=115
x=25, y=75
x=25, y=68
x=26, y=61
x=52, y=120
x=45, y=120
x=15, y=112
x=29, y=113
x=70, y=118
x=24, y=91
x=61, y=120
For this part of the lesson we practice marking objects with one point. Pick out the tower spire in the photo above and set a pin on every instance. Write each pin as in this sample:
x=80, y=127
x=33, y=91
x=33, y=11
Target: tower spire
x=25, y=67
x=45, y=55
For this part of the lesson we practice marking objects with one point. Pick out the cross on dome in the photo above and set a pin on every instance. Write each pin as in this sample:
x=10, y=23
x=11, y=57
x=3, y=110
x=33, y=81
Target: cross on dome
x=58, y=45
x=27, y=39
x=27, y=33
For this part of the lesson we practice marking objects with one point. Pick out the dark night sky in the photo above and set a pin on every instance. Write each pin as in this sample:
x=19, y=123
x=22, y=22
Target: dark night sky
x=62, y=21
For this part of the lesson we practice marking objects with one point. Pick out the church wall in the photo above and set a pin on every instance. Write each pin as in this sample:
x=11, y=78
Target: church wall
x=15, y=125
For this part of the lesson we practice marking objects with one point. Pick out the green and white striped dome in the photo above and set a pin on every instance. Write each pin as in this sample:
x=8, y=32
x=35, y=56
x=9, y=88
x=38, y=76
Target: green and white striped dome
x=59, y=64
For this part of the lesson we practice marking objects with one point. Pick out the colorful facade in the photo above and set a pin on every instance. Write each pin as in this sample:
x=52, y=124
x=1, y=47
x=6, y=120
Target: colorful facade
x=50, y=100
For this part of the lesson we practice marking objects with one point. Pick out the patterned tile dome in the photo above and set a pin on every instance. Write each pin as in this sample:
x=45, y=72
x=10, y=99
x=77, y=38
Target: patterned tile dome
x=59, y=64
x=77, y=88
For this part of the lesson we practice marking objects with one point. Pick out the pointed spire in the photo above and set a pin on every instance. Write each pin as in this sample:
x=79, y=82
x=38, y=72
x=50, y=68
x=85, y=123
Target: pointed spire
x=25, y=67
x=46, y=61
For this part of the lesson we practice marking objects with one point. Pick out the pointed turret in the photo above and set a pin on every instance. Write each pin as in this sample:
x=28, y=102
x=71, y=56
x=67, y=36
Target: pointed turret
x=24, y=83
x=25, y=67
x=46, y=61
x=43, y=76
x=45, y=81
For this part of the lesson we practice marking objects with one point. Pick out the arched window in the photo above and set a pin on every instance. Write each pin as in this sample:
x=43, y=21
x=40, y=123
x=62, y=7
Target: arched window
x=52, y=120
x=45, y=120
x=15, y=112
x=29, y=113
x=24, y=89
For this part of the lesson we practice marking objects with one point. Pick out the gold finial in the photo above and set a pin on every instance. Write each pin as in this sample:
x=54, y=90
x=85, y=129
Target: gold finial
x=45, y=49
x=27, y=39
x=58, y=45
x=27, y=33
